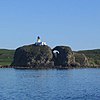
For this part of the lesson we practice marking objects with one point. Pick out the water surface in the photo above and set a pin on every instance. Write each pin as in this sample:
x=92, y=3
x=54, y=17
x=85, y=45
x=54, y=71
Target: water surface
x=73, y=84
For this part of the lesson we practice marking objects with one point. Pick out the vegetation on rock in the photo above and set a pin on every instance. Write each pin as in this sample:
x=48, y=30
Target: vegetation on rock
x=93, y=56
x=81, y=59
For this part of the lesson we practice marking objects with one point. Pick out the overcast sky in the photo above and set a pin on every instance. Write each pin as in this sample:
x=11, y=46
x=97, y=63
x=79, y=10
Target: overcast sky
x=74, y=23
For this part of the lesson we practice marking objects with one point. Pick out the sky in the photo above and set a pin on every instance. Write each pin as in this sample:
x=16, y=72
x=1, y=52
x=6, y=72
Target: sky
x=74, y=23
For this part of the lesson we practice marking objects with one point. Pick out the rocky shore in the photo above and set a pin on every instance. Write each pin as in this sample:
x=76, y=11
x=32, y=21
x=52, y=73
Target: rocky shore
x=43, y=57
x=6, y=66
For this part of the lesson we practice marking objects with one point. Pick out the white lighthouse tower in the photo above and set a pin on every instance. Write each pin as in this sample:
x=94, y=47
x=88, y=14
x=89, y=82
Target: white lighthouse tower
x=38, y=39
x=39, y=42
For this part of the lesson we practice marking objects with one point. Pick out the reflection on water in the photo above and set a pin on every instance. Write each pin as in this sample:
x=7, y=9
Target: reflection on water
x=73, y=84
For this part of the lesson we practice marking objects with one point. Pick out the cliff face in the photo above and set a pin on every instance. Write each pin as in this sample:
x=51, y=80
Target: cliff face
x=81, y=59
x=93, y=56
x=63, y=56
x=33, y=56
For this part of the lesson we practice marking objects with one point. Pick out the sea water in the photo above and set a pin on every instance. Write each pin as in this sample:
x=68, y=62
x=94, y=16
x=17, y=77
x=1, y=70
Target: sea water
x=72, y=84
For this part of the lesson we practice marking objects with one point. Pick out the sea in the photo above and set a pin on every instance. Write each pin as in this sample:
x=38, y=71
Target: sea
x=51, y=84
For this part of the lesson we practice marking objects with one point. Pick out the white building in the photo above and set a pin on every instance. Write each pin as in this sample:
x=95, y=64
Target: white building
x=39, y=42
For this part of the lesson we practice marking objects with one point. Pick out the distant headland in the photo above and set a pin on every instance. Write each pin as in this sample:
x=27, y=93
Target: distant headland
x=40, y=56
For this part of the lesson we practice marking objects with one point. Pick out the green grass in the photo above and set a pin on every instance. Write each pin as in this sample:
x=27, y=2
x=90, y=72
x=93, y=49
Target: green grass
x=6, y=57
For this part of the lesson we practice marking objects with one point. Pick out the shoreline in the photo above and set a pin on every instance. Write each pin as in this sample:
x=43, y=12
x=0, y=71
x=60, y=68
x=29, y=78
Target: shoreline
x=50, y=67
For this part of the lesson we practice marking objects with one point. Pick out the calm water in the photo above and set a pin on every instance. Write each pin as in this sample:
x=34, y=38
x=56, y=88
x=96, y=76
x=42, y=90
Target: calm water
x=73, y=84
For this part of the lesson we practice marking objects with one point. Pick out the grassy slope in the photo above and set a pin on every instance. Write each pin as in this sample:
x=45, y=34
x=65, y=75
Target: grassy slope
x=6, y=56
x=93, y=55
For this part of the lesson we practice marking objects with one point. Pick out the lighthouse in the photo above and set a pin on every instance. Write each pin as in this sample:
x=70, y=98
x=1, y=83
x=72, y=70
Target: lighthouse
x=38, y=39
x=39, y=43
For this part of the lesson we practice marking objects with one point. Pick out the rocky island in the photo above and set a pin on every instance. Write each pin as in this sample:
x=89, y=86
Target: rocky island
x=36, y=56
x=40, y=56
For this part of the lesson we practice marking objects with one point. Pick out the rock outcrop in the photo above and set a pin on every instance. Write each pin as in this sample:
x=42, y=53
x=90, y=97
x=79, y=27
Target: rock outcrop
x=42, y=56
x=63, y=56
x=33, y=56
x=81, y=59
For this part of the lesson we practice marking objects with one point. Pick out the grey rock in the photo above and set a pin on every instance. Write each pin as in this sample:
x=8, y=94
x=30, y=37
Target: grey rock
x=63, y=56
x=33, y=56
x=81, y=59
